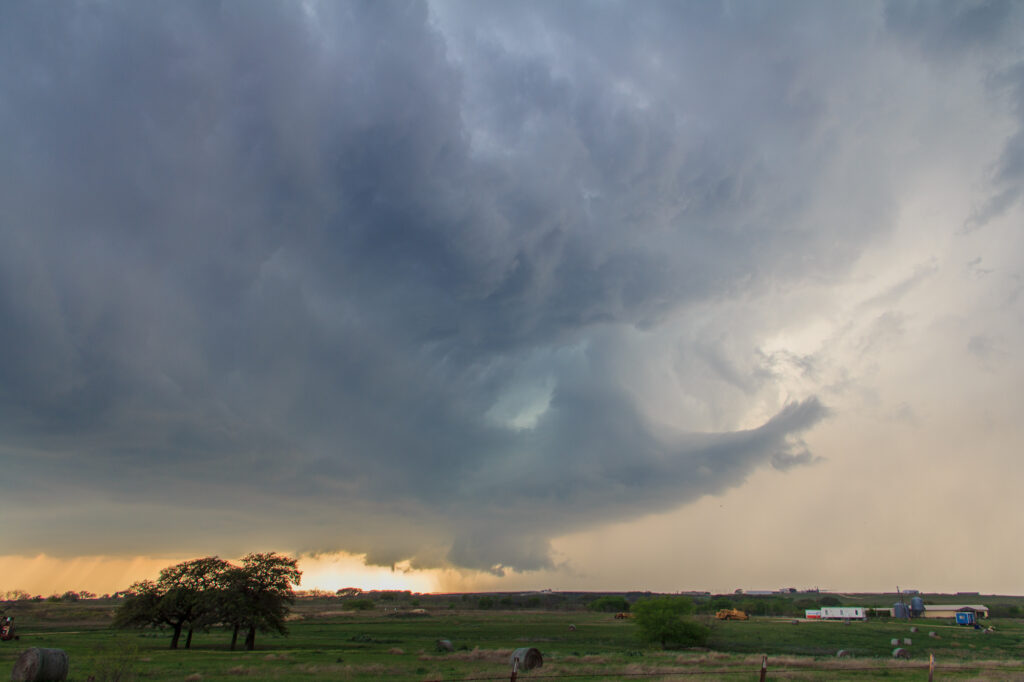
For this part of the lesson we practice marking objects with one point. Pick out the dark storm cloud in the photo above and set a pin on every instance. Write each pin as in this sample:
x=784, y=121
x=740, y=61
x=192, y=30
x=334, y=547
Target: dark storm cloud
x=267, y=270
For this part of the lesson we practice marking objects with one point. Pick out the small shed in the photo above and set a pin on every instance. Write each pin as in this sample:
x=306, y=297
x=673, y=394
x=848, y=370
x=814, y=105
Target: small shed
x=965, y=618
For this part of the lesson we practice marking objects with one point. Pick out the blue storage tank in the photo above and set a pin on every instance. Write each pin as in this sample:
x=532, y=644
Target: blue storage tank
x=900, y=610
x=916, y=606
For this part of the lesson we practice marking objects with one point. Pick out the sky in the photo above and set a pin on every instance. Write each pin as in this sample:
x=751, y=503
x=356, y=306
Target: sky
x=541, y=295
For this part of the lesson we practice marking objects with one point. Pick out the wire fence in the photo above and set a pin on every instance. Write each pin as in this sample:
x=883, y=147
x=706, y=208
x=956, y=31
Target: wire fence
x=930, y=671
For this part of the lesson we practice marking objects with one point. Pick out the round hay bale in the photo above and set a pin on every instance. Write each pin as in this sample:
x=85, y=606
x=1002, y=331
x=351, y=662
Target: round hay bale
x=900, y=653
x=529, y=658
x=843, y=653
x=894, y=642
x=907, y=641
x=445, y=645
x=41, y=665
x=572, y=628
x=913, y=629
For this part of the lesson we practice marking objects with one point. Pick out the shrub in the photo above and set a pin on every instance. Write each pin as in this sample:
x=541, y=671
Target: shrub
x=721, y=603
x=661, y=620
x=485, y=603
x=359, y=604
x=609, y=604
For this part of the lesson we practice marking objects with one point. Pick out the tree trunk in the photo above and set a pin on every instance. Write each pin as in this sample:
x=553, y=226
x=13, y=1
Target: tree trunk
x=250, y=638
x=188, y=639
x=176, y=636
x=234, y=636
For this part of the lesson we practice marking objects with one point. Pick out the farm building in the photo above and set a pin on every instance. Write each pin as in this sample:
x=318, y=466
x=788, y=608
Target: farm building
x=950, y=610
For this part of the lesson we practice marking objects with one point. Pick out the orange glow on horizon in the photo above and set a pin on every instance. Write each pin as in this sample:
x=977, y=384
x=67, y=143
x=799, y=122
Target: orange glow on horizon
x=46, y=575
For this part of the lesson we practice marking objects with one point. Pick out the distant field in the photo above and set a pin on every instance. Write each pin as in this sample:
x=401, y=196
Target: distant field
x=330, y=644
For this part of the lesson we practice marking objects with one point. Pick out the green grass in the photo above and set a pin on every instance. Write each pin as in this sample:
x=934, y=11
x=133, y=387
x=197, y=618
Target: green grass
x=326, y=644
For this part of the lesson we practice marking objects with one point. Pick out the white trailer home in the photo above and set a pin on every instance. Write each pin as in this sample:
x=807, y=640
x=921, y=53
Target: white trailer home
x=843, y=613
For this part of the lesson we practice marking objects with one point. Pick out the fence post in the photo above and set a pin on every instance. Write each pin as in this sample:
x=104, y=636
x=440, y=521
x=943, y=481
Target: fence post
x=764, y=667
x=931, y=666
x=515, y=669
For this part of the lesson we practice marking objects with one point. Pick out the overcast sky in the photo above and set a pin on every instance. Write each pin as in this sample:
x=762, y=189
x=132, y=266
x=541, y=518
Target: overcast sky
x=597, y=294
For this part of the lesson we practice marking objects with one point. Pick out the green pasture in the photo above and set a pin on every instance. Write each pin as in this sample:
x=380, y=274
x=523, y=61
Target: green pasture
x=328, y=644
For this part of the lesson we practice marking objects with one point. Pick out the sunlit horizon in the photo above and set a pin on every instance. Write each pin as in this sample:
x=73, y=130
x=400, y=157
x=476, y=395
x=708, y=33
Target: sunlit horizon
x=45, y=576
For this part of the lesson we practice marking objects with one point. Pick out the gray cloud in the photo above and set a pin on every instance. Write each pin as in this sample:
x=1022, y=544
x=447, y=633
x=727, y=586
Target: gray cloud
x=337, y=277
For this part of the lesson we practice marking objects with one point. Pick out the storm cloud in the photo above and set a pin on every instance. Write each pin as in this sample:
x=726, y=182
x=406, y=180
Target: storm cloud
x=383, y=277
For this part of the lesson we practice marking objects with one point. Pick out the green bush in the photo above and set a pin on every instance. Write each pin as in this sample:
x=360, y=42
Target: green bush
x=485, y=603
x=609, y=604
x=359, y=604
x=662, y=620
x=720, y=603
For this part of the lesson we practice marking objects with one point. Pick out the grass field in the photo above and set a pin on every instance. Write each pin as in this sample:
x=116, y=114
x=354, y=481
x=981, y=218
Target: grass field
x=327, y=644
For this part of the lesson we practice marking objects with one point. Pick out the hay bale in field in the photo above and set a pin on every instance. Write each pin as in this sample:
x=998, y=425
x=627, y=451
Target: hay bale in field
x=894, y=642
x=913, y=629
x=572, y=628
x=41, y=665
x=933, y=634
x=529, y=658
x=843, y=653
x=907, y=641
x=445, y=645
x=899, y=652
